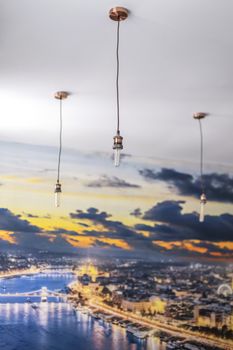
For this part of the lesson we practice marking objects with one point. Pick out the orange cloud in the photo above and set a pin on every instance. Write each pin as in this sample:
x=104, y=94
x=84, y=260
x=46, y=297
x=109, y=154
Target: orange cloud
x=7, y=236
x=87, y=242
x=187, y=245
x=167, y=245
x=117, y=242
x=79, y=242
x=216, y=254
x=224, y=245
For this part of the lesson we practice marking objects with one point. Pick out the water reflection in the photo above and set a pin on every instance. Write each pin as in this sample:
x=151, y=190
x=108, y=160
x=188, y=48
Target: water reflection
x=55, y=325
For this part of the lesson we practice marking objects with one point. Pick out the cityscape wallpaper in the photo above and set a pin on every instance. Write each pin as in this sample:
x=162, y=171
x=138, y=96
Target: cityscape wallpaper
x=145, y=208
x=124, y=262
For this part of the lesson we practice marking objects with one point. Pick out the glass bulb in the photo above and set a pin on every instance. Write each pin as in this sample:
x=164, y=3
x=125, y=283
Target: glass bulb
x=117, y=153
x=202, y=215
x=57, y=199
x=203, y=202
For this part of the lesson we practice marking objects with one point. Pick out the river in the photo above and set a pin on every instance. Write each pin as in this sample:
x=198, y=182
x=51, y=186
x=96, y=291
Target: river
x=54, y=325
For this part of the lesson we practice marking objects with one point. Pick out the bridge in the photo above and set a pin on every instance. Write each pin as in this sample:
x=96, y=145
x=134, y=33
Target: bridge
x=63, y=269
x=44, y=293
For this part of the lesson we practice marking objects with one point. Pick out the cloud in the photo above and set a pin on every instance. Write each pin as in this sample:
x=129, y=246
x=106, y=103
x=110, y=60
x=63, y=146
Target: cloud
x=105, y=181
x=136, y=212
x=12, y=222
x=195, y=248
x=219, y=187
x=47, y=170
x=112, y=229
x=43, y=242
x=83, y=224
x=172, y=224
x=24, y=235
x=30, y=215
x=164, y=228
x=91, y=214
x=33, y=216
x=101, y=244
x=123, y=155
x=62, y=231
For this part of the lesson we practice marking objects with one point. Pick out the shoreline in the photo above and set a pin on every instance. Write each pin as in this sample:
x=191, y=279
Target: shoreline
x=205, y=340
x=12, y=274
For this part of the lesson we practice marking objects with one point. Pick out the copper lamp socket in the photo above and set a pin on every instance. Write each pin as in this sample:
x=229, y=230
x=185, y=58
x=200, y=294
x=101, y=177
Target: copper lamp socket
x=118, y=142
x=57, y=188
x=199, y=115
x=61, y=95
x=118, y=13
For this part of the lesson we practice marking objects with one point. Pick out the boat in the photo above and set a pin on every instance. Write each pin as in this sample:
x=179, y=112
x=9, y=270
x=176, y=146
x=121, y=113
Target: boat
x=43, y=299
x=139, y=331
x=34, y=306
x=143, y=332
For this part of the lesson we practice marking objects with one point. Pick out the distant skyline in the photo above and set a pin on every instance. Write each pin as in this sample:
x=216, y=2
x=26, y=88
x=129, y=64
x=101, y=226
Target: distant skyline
x=147, y=207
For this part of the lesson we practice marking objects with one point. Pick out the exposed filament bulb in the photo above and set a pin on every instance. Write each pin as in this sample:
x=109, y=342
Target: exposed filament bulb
x=117, y=146
x=117, y=157
x=202, y=211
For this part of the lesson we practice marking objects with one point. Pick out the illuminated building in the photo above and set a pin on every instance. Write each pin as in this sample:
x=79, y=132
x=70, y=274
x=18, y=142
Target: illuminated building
x=152, y=305
x=89, y=269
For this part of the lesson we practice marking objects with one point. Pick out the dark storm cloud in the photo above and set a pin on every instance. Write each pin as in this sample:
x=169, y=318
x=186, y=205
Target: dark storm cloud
x=163, y=222
x=30, y=236
x=219, y=187
x=42, y=242
x=105, y=181
x=12, y=222
x=175, y=225
x=112, y=229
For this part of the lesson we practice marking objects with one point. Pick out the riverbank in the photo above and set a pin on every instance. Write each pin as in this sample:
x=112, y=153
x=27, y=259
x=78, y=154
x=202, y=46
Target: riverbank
x=208, y=341
x=174, y=331
x=16, y=273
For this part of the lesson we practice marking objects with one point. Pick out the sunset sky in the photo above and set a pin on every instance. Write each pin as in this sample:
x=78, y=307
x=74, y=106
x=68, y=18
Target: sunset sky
x=145, y=207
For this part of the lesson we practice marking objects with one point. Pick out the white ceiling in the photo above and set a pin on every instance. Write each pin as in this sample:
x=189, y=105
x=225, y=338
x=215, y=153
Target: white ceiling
x=176, y=58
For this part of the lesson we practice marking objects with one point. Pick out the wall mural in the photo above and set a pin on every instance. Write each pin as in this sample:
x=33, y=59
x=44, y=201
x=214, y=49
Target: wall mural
x=146, y=207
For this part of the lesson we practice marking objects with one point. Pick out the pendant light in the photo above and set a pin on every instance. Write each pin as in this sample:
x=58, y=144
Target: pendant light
x=60, y=95
x=118, y=14
x=199, y=116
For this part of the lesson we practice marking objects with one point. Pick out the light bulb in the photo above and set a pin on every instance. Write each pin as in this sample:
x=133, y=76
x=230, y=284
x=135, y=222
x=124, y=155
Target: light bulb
x=57, y=199
x=202, y=215
x=57, y=194
x=117, y=146
x=117, y=156
x=203, y=202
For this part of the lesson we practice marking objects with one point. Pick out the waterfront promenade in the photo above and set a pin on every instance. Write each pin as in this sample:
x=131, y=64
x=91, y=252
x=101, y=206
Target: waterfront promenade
x=14, y=273
x=173, y=330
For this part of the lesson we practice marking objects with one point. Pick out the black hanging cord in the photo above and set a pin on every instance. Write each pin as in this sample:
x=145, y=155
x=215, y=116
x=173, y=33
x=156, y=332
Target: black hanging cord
x=117, y=76
x=60, y=144
x=201, y=157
